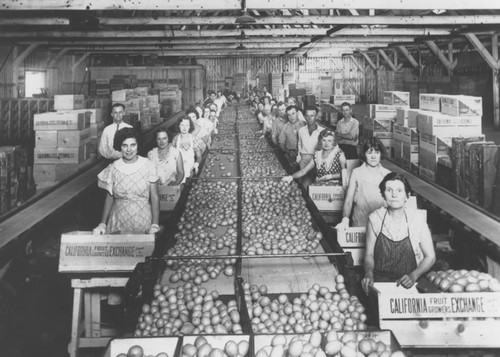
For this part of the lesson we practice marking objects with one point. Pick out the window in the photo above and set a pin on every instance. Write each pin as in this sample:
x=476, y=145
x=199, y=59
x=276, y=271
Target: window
x=35, y=83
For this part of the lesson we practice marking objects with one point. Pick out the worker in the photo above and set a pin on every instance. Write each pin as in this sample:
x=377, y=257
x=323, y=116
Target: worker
x=188, y=145
x=108, y=134
x=193, y=115
x=330, y=161
x=132, y=204
x=399, y=246
x=363, y=194
x=168, y=160
x=288, y=137
x=348, y=132
x=292, y=101
x=308, y=142
x=278, y=123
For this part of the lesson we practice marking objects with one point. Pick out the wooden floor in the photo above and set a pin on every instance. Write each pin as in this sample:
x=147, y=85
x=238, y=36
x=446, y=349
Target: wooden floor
x=484, y=225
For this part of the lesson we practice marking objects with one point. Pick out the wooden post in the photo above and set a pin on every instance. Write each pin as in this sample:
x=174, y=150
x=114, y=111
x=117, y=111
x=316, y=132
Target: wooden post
x=496, y=83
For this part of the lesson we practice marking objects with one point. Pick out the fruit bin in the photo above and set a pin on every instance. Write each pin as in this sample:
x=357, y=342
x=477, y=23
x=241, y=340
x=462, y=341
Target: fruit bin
x=220, y=163
x=385, y=336
x=224, y=141
x=438, y=320
x=218, y=342
x=151, y=346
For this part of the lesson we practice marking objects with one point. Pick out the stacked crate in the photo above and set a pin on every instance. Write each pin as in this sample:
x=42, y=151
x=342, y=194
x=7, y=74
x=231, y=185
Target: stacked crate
x=7, y=178
x=441, y=118
x=326, y=88
x=263, y=80
x=142, y=109
x=276, y=85
x=170, y=98
x=62, y=140
x=288, y=78
x=241, y=83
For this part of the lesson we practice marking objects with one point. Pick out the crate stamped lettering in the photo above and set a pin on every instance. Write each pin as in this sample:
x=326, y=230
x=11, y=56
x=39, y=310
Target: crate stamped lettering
x=83, y=251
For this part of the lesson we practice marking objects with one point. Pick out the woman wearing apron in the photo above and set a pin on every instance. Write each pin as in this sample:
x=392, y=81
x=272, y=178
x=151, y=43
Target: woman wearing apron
x=188, y=146
x=399, y=245
x=363, y=194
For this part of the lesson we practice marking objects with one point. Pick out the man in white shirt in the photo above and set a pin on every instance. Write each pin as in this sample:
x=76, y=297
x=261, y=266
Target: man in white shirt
x=308, y=142
x=108, y=134
x=348, y=133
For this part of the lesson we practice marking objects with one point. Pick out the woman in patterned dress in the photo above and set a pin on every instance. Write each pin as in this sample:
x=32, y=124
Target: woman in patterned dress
x=167, y=159
x=188, y=145
x=330, y=161
x=132, y=204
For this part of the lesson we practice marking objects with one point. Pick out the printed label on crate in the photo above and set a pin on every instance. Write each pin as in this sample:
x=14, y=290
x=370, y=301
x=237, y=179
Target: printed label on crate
x=327, y=198
x=339, y=99
x=72, y=120
x=439, y=305
x=69, y=102
x=462, y=105
x=351, y=237
x=169, y=195
x=397, y=98
x=83, y=251
x=430, y=101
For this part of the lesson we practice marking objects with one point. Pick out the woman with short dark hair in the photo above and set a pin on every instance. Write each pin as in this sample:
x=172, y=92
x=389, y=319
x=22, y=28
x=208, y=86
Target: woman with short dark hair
x=168, y=160
x=132, y=204
x=399, y=246
x=188, y=145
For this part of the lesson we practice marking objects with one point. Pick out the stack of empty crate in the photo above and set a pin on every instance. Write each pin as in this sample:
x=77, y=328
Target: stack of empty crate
x=12, y=159
x=170, y=98
x=63, y=139
x=441, y=118
x=142, y=109
x=276, y=85
x=382, y=118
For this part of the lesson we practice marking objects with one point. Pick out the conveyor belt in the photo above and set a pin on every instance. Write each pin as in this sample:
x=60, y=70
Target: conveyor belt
x=16, y=229
x=484, y=225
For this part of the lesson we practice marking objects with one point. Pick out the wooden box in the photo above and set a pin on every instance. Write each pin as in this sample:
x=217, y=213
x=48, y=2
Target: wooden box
x=151, y=345
x=216, y=341
x=60, y=155
x=402, y=117
x=327, y=198
x=73, y=120
x=462, y=105
x=169, y=195
x=340, y=99
x=53, y=172
x=430, y=101
x=72, y=138
x=440, y=124
x=352, y=237
x=122, y=95
x=381, y=111
x=85, y=252
x=46, y=138
x=438, y=320
x=69, y=101
x=482, y=174
x=397, y=98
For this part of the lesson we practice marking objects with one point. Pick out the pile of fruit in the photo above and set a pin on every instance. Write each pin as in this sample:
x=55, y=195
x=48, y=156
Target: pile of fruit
x=202, y=348
x=138, y=351
x=187, y=310
x=276, y=219
x=457, y=281
x=260, y=164
x=210, y=204
x=321, y=309
x=348, y=344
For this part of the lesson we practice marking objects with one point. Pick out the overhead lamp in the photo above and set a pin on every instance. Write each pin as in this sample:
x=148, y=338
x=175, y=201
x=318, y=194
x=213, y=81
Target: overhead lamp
x=242, y=36
x=245, y=18
x=241, y=47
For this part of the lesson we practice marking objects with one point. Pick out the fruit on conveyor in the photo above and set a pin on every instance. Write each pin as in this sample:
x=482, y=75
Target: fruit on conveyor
x=276, y=219
x=187, y=310
x=457, y=281
x=319, y=309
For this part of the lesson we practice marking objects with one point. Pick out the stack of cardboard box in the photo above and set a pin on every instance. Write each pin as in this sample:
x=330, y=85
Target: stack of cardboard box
x=62, y=140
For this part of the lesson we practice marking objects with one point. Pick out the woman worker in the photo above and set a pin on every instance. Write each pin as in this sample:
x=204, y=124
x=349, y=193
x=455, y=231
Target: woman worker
x=363, y=193
x=399, y=245
x=188, y=146
x=167, y=159
x=132, y=204
x=330, y=161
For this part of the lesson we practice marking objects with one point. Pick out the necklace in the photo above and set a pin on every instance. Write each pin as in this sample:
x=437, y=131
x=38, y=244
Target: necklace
x=163, y=153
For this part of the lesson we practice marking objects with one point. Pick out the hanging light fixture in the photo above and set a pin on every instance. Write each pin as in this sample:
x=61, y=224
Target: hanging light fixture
x=245, y=17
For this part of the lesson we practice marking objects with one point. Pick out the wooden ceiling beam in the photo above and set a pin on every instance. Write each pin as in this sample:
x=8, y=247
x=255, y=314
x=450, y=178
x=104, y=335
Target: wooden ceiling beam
x=393, y=64
x=369, y=61
x=33, y=21
x=20, y=59
x=229, y=32
x=203, y=5
x=408, y=56
x=450, y=65
x=306, y=20
x=485, y=54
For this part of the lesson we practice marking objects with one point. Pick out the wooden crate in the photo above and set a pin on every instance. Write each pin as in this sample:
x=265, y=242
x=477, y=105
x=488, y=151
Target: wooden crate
x=482, y=174
x=438, y=320
x=151, y=345
x=83, y=251
x=169, y=195
x=327, y=198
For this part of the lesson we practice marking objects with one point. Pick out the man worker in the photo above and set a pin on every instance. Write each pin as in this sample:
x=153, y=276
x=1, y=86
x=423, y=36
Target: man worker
x=348, y=132
x=278, y=123
x=108, y=134
x=288, y=138
x=292, y=101
x=308, y=142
